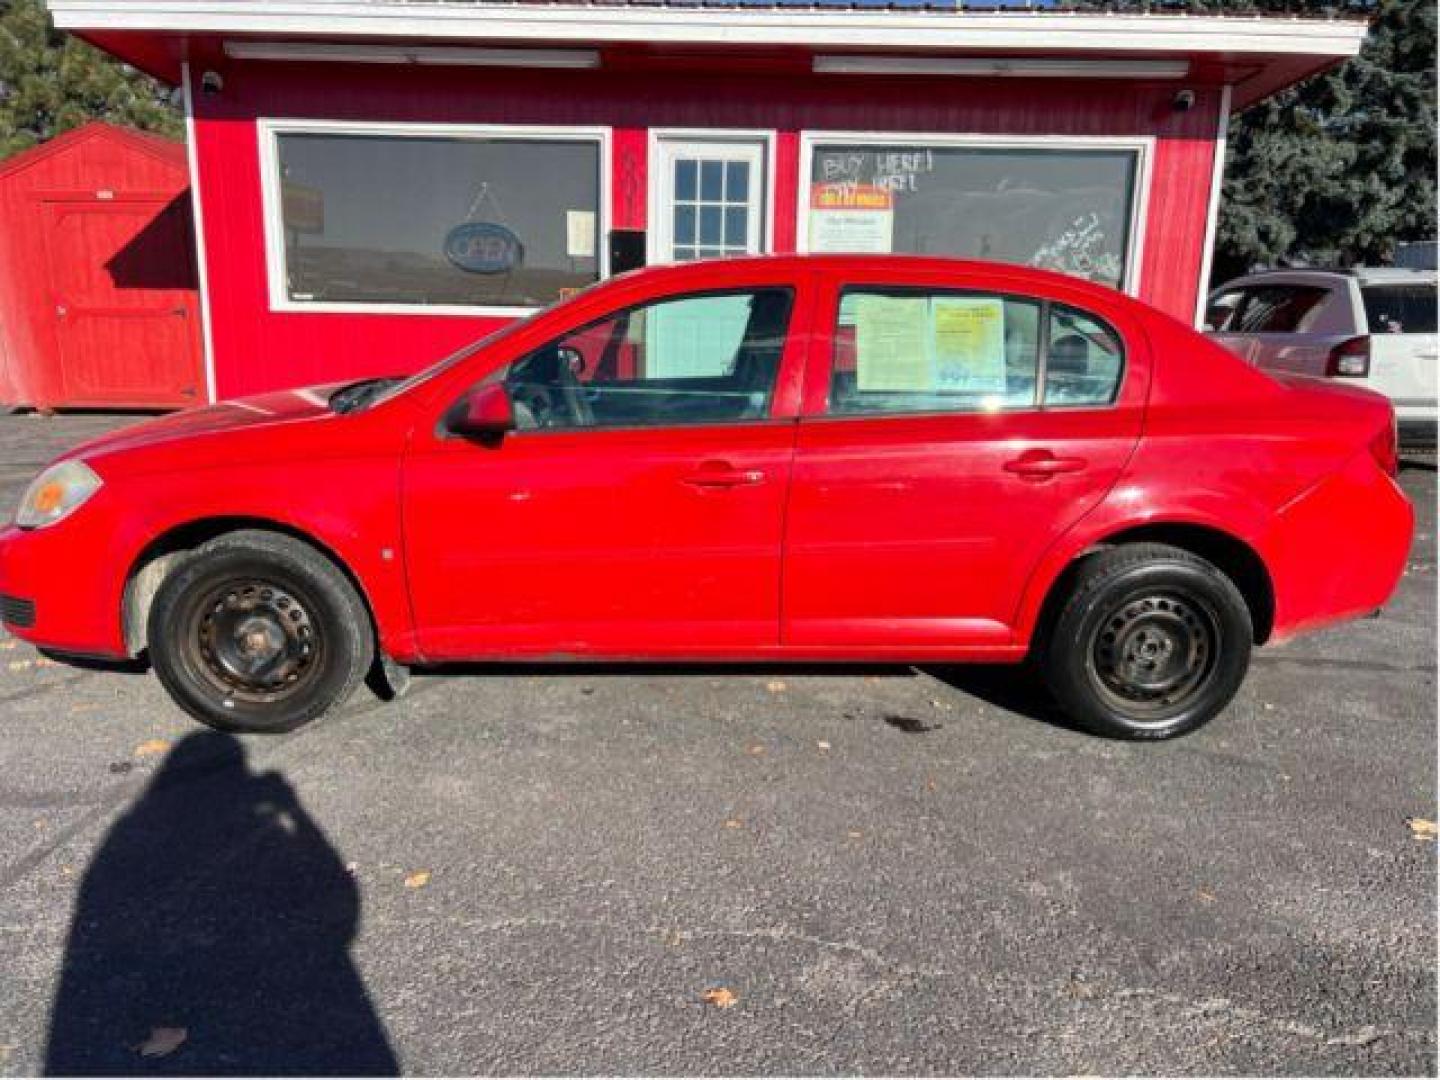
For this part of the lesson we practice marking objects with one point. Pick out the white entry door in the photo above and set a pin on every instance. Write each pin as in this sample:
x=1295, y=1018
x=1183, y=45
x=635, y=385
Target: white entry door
x=710, y=199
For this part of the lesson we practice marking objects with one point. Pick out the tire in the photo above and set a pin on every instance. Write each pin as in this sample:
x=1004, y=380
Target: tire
x=1151, y=642
x=258, y=632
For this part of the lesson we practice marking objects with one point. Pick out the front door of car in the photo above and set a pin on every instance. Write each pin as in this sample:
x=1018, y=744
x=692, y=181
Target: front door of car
x=637, y=508
x=938, y=458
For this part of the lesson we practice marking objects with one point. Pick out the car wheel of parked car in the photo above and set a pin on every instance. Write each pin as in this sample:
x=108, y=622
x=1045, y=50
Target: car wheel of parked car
x=258, y=632
x=1150, y=643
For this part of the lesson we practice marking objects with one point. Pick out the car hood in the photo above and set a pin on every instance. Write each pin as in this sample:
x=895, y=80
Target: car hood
x=261, y=410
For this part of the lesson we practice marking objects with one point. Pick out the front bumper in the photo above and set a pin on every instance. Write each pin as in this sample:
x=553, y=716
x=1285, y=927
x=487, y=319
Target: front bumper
x=62, y=587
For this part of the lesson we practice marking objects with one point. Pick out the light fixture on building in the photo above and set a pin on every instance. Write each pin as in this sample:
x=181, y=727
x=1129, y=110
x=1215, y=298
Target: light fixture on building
x=440, y=56
x=1032, y=67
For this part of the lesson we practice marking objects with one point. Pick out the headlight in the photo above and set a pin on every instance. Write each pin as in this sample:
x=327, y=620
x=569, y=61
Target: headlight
x=55, y=493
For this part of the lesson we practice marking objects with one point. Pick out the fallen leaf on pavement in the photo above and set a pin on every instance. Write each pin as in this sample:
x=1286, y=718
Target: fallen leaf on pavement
x=1420, y=828
x=755, y=750
x=720, y=997
x=1205, y=897
x=418, y=880
x=151, y=746
x=162, y=1041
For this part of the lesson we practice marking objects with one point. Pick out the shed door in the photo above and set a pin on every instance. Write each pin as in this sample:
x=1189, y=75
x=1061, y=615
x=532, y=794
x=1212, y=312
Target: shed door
x=122, y=280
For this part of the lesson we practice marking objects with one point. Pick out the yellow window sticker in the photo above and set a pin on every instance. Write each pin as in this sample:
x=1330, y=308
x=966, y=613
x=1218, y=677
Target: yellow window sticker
x=969, y=343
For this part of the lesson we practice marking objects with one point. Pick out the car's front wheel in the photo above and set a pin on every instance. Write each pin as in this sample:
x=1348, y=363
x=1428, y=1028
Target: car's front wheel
x=258, y=632
x=1150, y=642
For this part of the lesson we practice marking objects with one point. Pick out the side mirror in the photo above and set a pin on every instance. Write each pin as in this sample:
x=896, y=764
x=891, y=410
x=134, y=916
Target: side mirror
x=486, y=413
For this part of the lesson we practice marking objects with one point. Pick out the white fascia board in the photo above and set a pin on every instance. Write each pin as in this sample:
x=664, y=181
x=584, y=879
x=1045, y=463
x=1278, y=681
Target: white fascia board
x=888, y=29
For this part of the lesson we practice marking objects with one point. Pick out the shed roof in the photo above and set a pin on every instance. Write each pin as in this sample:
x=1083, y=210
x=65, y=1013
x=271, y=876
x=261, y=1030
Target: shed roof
x=166, y=150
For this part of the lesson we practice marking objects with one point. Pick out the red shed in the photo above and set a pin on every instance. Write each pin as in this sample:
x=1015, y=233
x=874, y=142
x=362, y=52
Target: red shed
x=98, y=303
x=381, y=181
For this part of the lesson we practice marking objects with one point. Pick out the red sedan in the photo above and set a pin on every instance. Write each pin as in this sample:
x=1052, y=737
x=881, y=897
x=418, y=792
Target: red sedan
x=832, y=458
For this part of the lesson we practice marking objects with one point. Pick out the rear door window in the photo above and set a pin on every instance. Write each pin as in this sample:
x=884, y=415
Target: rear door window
x=920, y=351
x=1083, y=359
x=1279, y=309
x=1399, y=309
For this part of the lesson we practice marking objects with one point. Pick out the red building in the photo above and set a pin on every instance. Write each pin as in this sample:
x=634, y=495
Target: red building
x=378, y=182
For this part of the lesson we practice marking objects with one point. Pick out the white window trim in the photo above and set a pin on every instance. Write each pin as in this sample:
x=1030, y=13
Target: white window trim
x=655, y=188
x=269, y=128
x=1142, y=146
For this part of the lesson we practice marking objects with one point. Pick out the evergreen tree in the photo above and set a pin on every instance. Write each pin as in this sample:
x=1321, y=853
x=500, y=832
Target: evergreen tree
x=51, y=82
x=1337, y=170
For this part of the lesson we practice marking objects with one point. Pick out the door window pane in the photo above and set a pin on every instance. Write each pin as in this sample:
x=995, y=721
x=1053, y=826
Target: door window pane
x=1399, y=309
x=702, y=359
x=711, y=180
x=453, y=220
x=737, y=181
x=1279, y=309
x=1083, y=361
x=1062, y=209
x=685, y=181
x=912, y=351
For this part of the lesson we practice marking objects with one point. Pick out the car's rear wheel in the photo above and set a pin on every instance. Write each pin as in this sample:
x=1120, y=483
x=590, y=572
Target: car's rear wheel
x=258, y=632
x=1151, y=642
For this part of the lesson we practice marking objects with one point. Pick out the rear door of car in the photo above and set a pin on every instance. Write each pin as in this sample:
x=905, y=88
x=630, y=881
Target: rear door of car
x=937, y=457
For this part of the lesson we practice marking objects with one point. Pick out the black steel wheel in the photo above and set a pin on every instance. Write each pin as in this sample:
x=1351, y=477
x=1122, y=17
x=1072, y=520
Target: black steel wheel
x=1151, y=642
x=259, y=632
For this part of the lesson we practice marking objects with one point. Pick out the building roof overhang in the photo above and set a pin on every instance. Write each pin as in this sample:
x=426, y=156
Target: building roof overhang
x=1257, y=55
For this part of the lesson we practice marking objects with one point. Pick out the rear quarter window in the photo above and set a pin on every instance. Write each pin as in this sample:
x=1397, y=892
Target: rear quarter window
x=1399, y=309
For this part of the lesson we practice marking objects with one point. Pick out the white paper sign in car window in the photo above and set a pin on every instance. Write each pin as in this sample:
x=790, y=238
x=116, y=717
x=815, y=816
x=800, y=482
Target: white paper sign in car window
x=969, y=344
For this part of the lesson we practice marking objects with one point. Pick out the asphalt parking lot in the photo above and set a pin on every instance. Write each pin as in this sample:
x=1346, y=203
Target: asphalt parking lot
x=854, y=871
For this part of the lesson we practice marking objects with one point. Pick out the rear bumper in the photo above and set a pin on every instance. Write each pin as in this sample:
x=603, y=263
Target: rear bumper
x=1338, y=551
x=1417, y=434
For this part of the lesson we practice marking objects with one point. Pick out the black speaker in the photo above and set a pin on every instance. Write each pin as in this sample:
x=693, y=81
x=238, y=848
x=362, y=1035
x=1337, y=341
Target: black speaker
x=627, y=250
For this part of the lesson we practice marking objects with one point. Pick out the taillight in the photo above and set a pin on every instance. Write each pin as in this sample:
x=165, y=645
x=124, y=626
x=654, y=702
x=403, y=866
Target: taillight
x=1350, y=359
x=1385, y=447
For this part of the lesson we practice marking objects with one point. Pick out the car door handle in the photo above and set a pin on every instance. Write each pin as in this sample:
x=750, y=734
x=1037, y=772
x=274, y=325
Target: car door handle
x=721, y=474
x=1042, y=465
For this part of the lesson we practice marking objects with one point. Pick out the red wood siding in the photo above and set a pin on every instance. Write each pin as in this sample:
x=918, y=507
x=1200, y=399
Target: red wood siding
x=97, y=221
x=256, y=349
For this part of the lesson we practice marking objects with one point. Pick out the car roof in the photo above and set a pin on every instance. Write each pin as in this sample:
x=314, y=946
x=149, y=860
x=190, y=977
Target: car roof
x=879, y=267
x=1394, y=275
x=1365, y=275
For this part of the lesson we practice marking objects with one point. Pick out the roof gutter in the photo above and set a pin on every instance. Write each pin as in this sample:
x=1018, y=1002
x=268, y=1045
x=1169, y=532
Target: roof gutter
x=929, y=31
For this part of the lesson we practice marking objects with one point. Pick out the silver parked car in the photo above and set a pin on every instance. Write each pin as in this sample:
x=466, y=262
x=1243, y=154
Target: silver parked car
x=1375, y=327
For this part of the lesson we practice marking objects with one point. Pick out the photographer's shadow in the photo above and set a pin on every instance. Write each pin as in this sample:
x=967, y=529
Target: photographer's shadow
x=217, y=908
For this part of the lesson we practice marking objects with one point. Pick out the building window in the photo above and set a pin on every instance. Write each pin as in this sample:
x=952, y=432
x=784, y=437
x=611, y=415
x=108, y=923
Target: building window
x=1062, y=208
x=433, y=219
